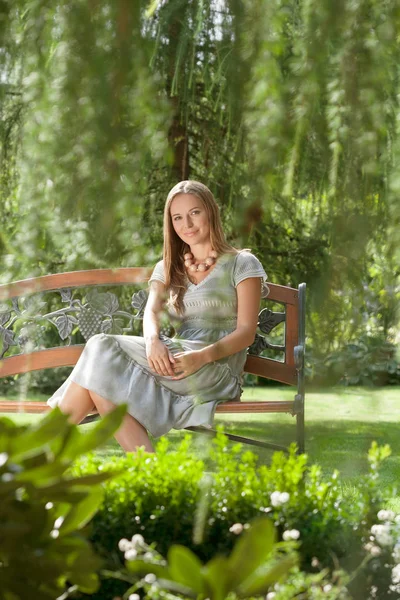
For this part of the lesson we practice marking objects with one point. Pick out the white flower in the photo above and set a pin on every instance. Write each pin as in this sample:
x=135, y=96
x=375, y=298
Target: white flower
x=382, y=534
x=130, y=554
x=150, y=578
x=137, y=540
x=279, y=498
x=285, y=497
x=58, y=522
x=375, y=551
x=291, y=534
x=148, y=555
x=372, y=549
x=134, y=597
x=397, y=519
x=396, y=574
x=124, y=545
x=236, y=528
x=327, y=588
x=386, y=515
x=314, y=562
x=270, y=596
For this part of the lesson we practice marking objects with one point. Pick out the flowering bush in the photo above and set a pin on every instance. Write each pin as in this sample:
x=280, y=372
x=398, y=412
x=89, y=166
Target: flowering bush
x=257, y=565
x=383, y=551
x=168, y=498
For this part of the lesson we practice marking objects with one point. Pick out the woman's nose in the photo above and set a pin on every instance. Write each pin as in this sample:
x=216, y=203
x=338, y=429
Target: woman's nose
x=188, y=221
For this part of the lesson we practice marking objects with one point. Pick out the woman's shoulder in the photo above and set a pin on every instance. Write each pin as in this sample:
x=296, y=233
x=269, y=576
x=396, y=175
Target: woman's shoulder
x=158, y=272
x=246, y=265
x=246, y=258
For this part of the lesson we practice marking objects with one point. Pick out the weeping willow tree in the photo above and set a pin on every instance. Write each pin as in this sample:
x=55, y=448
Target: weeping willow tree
x=322, y=121
x=288, y=110
x=118, y=104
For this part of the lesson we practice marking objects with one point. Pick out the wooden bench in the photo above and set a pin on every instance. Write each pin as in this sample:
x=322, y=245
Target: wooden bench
x=23, y=302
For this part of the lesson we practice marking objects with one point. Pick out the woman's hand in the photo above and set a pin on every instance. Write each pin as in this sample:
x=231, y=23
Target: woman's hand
x=159, y=357
x=187, y=363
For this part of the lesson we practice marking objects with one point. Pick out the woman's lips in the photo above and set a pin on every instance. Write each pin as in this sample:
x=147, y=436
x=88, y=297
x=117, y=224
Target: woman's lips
x=191, y=233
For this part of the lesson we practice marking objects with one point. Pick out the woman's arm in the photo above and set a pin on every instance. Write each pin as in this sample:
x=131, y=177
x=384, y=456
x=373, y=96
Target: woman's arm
x=249, y=296
x=157, y=353
x=154, y=305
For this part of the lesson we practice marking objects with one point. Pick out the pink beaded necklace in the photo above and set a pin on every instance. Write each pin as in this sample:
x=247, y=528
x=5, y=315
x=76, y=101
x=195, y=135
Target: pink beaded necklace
x=201, y=266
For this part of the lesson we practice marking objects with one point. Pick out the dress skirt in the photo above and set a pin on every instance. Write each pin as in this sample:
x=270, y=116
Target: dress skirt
x=116, y=368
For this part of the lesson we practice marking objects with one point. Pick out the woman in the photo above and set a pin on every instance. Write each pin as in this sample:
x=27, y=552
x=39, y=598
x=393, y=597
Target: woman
x=214, y=296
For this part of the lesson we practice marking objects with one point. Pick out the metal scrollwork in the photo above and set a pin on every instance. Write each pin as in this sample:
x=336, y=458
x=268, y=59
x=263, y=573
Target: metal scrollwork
x=267, y=321
x=99, y=313
x=22, y=324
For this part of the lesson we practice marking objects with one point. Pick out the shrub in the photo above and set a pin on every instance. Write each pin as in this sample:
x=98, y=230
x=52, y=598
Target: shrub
x=169, y=499
x=370, y=360
x=42, y=551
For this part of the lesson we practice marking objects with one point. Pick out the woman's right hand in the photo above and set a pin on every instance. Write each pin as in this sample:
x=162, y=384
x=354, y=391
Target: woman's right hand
x=159, y=357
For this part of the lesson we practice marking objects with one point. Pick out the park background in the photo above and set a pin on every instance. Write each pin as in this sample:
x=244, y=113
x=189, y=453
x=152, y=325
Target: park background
x=287, y=110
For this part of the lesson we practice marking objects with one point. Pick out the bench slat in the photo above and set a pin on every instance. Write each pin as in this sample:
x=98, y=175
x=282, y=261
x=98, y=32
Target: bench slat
x=17, y=406
x=72, y=279
x=122, y=275
x=67, y=356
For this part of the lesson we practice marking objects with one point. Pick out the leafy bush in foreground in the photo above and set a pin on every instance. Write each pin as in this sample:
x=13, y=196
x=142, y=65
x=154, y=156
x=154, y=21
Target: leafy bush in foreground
x=257, y=565
x=169, y=499
x=42, y=552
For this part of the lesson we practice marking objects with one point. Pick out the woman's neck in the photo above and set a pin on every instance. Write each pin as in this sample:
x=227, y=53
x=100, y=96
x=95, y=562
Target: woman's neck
x=200, y=251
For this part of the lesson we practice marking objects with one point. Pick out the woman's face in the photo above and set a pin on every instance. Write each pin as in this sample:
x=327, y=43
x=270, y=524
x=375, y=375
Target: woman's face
x=190, y=219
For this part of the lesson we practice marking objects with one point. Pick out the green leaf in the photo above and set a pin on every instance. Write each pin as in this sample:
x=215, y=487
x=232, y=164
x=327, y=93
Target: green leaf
x=185, y=568
x=43, y=474
x=266, y=575
x=80, y=514
x=81, y=443
x=252, y=549
x=79, y=482
x=142, y=567
x=151, y=9
x=31, y=441
x=88, y=583
x=217, y=577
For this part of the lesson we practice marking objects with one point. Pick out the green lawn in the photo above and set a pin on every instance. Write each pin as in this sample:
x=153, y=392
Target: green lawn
x=341, y=423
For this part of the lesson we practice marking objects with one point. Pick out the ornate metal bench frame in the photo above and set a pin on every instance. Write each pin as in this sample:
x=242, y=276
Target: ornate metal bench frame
x=22, y=301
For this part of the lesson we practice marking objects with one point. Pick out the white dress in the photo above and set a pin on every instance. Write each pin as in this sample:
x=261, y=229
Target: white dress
x=116, y=367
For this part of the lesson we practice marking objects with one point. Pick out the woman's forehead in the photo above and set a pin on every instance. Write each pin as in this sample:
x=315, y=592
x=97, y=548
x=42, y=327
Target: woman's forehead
x=184, y=202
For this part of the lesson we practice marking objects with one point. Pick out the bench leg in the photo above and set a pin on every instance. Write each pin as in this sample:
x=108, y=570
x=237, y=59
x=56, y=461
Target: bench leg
x=300, y=431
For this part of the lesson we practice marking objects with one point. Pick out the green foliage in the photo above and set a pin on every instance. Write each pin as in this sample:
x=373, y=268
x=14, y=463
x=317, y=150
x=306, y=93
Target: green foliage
x=288, y=111
x=367, y=361
x=256, y=563
x=42, y=509
x=169, y=499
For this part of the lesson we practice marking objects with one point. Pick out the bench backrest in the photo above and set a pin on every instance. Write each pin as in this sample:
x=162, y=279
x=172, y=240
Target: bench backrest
x=102, y=313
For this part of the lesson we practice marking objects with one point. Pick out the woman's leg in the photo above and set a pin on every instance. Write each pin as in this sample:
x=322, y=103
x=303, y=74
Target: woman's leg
x=131, y=435
x=76, y=402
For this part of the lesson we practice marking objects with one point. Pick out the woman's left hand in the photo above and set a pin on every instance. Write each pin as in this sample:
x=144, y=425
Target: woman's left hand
x=187, y=363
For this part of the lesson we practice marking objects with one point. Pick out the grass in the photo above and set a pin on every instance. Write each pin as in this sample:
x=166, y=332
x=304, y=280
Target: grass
x=341, y=423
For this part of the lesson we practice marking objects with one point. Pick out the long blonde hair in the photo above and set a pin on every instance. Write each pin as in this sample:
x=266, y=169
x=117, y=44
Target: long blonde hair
x=175, y=247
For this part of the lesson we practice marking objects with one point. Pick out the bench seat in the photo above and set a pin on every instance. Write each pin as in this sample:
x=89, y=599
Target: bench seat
x=105, y=307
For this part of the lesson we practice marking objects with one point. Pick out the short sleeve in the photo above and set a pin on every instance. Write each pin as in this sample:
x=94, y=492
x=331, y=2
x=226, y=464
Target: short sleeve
x=158, y=272
x=247, y=265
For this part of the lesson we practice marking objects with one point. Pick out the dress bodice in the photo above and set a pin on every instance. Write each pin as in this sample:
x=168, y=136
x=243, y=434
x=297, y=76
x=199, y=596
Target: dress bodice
x=212, y=303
